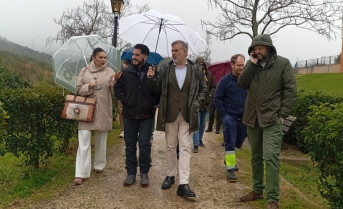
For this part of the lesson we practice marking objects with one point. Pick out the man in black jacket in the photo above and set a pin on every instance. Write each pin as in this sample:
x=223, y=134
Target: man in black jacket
x=138, y=111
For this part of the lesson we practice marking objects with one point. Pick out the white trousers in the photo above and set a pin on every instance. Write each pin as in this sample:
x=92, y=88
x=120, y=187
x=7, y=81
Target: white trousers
x=178, y=132
x=83, y=156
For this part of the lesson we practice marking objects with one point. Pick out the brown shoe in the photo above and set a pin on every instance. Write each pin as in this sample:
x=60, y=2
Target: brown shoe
x=98, y=171
x=273, y=205
x=251, y=196
x=78, y=181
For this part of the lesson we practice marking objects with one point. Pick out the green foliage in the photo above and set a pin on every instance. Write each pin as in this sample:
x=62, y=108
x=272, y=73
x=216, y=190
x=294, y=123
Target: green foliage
x=301, y=109
x=35, y=123
x=9, y=79
x=324, y=141
x=3, y=117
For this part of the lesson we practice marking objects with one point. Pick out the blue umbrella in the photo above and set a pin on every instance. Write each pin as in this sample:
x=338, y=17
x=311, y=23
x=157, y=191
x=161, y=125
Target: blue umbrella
x=154, y=58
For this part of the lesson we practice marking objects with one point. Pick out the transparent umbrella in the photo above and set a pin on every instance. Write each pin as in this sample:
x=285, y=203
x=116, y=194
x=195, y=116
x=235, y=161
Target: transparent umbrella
x=158, y=30
x=75, y=54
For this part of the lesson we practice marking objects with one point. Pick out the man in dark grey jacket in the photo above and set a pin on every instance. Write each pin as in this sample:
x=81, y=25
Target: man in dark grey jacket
x=183, y=88
x=272, y=90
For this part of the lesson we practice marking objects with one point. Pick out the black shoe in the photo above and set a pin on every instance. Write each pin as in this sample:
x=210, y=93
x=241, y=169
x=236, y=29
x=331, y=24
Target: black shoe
x=168, y=182
x=130, y=179
x=201, y=144
x=144, y=180
x=223, y=144
x=184, y=191
x=217, y=132
x=231, y=176
x=196, y=149
x=209, y=130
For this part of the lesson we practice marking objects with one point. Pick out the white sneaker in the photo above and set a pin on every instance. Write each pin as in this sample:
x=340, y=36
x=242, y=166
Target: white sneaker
x=121, y=135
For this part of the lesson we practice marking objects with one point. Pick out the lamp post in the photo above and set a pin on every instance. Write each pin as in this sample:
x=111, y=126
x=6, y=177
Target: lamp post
x=117, y=5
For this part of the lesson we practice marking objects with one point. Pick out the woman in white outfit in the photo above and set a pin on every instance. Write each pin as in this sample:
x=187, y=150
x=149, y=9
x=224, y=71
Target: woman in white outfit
x=95, y=80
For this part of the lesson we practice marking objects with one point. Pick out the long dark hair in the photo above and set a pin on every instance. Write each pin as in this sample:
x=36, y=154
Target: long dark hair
x=95, y=52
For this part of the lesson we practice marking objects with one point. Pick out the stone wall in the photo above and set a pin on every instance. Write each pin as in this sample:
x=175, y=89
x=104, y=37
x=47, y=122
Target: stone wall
x=334, y=68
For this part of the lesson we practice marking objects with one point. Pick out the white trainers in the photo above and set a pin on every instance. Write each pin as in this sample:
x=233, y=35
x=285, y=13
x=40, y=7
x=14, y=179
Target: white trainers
x=121, y=135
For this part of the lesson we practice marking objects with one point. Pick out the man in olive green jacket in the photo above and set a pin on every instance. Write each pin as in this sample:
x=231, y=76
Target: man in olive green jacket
x=183, y=88
x=272, y=89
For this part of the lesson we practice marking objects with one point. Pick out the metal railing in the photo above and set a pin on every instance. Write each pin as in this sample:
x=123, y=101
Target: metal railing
x=319, y=61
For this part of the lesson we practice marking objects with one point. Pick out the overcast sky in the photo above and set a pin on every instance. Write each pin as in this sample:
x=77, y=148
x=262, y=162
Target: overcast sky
x=30, y=22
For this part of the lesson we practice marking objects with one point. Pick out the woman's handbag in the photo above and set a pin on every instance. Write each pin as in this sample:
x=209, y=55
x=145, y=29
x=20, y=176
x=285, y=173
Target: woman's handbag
x=79, y=108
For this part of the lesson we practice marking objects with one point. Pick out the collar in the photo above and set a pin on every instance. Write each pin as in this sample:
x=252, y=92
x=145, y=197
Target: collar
x=182, y=66
x=93, y=69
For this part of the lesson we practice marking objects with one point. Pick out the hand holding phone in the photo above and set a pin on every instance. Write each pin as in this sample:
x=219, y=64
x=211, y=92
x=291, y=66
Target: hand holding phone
x=253, y=57
x=151, y=72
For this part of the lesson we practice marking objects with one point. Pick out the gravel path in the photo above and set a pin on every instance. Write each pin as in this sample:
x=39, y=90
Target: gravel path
x=106, y=190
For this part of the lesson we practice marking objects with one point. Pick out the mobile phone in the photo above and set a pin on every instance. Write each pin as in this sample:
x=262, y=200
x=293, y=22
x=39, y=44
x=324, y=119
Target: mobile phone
x=253, y=55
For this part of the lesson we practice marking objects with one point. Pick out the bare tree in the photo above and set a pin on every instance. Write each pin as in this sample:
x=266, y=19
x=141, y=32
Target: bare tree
x=206, y=55
x=93, y=17
x=253, y=17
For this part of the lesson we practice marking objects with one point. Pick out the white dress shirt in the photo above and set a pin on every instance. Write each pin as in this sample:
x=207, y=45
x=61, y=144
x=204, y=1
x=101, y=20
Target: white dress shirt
x=181, y=74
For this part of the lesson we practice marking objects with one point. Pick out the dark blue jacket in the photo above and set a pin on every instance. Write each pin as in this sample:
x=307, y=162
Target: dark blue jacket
x=229, y=98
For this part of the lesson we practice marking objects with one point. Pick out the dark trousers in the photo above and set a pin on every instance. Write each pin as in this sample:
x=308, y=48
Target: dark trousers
x=234, y=133
x=219, y=118
x=137, y=130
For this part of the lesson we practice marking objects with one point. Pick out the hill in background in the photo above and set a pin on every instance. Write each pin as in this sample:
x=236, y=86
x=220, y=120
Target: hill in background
x=33, y=66
x=22, y=51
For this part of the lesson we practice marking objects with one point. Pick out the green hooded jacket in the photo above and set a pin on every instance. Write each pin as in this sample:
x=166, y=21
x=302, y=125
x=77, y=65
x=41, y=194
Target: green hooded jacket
x=272, y=89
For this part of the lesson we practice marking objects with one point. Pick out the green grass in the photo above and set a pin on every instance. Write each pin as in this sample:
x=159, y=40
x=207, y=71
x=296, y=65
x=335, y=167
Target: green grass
x=18, y=182
x=302, y=176
x=329, y=82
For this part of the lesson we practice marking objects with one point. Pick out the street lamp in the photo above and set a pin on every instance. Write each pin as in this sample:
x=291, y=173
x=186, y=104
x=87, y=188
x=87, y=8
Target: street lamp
x=117, y=5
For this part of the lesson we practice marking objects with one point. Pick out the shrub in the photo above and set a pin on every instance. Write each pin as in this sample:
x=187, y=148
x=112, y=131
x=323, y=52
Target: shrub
x=301, y=109
x=324, y=141
x=35, y=125
x=9, y=79
x=3, y=117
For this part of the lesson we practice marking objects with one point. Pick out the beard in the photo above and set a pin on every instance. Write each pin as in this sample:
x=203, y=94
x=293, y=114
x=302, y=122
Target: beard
x=263, y=58
x=138, y=62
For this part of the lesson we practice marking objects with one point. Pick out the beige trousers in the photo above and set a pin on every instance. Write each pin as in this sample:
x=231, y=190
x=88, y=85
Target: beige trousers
x=83, y=156
x=178, y=132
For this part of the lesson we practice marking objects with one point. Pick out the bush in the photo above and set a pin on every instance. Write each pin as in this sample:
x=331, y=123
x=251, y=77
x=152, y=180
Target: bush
x=324, y=141
x=10, y=80
x=301, y=109
x=35, y=125
x=3, y=117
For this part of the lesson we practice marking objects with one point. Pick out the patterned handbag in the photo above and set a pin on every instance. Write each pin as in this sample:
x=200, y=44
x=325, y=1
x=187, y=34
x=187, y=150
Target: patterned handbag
x=79, y=108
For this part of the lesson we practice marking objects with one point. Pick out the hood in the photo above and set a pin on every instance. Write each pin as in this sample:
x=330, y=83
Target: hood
x=199, y=60
x=265, y=40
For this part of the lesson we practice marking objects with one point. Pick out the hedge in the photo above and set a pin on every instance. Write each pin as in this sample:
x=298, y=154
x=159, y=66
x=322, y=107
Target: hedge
x=35, y=126
x=301, y=109
x=324, y=141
